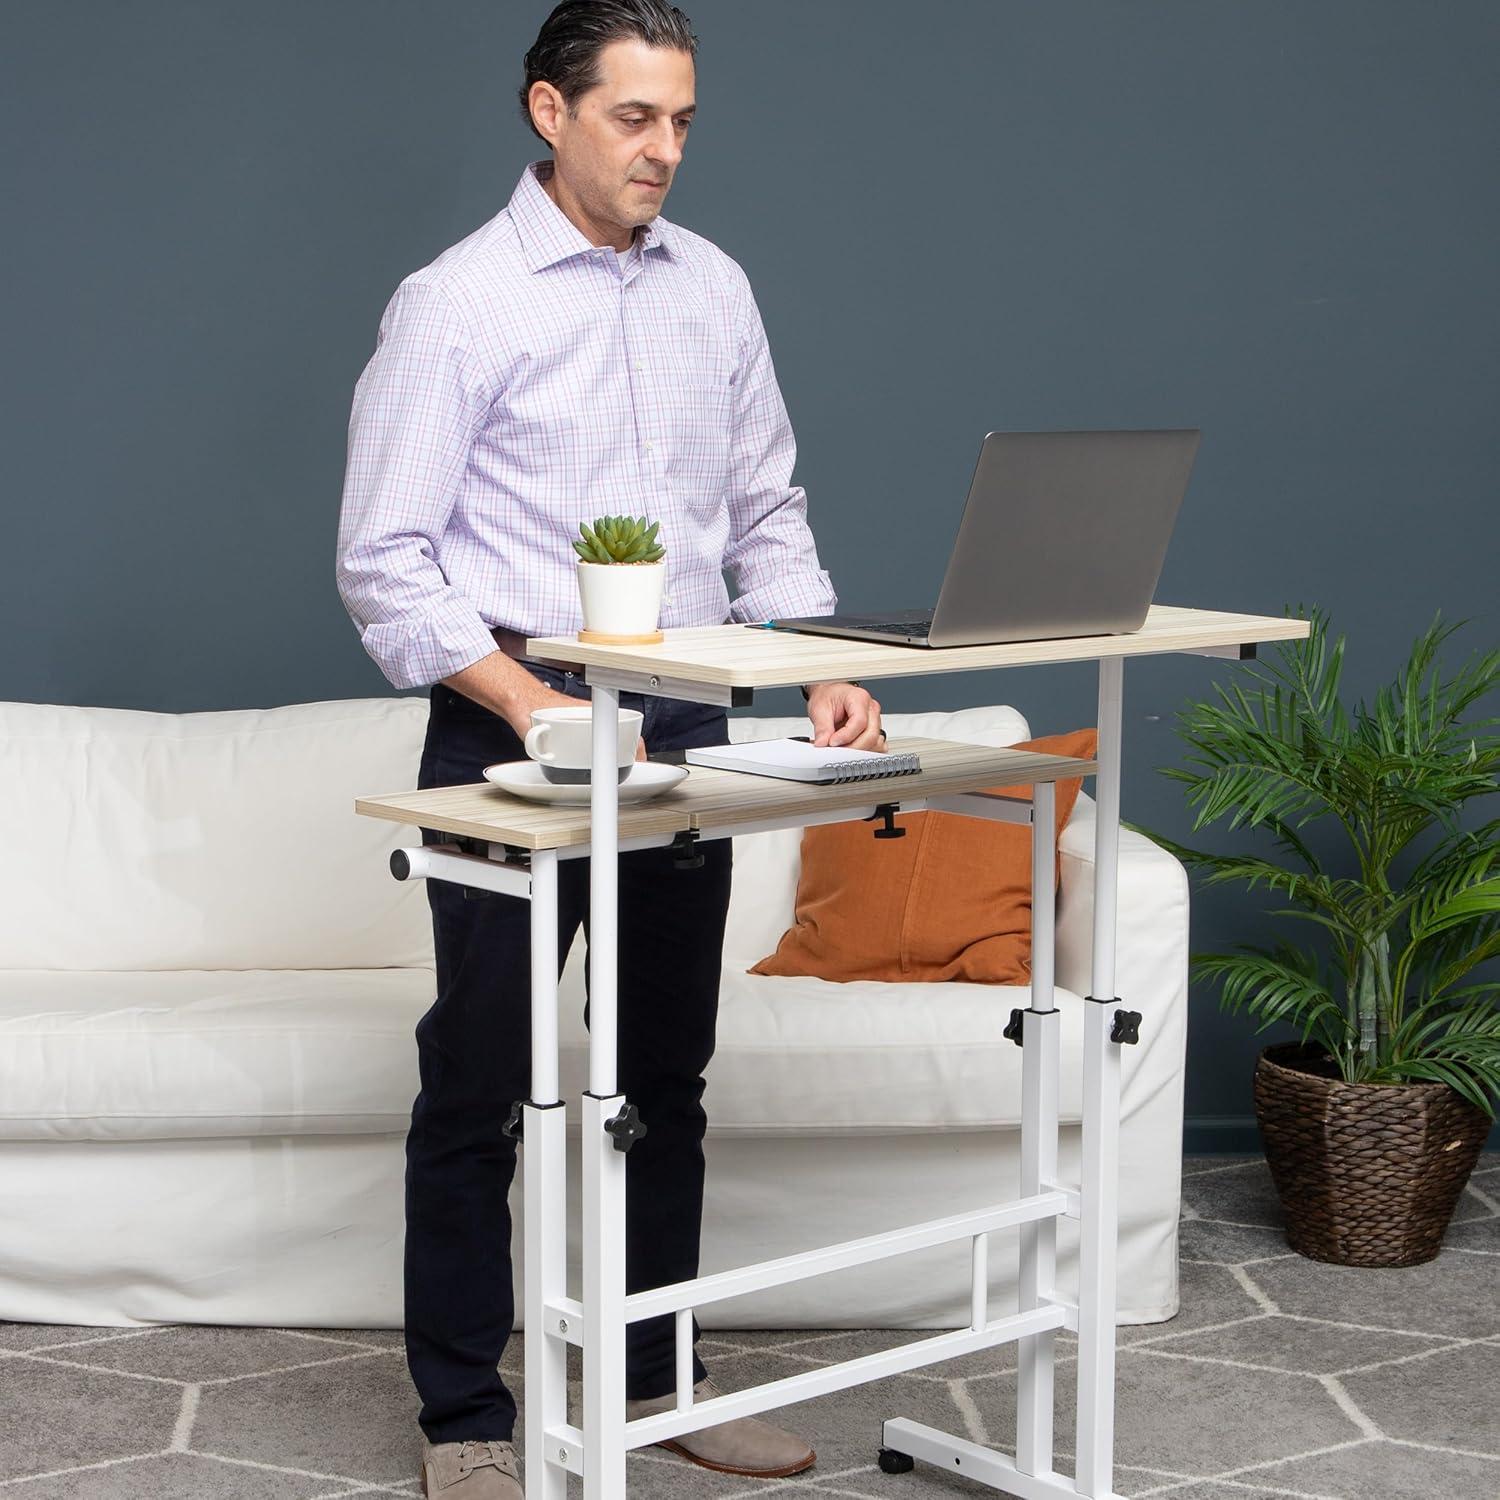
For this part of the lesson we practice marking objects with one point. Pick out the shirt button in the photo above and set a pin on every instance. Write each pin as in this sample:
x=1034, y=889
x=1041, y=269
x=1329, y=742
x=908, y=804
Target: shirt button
x=637, y=364
x=650, y=445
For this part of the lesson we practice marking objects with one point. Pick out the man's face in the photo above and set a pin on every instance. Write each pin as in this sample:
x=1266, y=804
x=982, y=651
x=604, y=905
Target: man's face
x=619, y=156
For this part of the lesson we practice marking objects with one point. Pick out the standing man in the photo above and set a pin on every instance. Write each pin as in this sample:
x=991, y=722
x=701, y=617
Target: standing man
x=577, y=355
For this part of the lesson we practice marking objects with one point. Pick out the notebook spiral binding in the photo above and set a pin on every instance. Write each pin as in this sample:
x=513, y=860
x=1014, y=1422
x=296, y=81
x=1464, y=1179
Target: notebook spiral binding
x=903, y=763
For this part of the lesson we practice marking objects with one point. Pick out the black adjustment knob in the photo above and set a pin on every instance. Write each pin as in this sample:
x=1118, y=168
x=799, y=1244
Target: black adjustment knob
x=1127, y=1027
x=627, y=1127
x=512, y=1126
x=1013, y=1026
x=886, y=812
x=686, y=855
x=401, y=864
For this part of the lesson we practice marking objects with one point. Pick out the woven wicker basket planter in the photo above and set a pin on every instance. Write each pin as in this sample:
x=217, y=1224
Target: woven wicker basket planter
x=1368, y=1173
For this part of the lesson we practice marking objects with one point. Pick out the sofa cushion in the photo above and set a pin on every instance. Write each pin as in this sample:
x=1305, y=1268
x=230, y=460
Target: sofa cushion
x=951, y=900
x=148, y=1056
x=207, y=840
x=808, y=1057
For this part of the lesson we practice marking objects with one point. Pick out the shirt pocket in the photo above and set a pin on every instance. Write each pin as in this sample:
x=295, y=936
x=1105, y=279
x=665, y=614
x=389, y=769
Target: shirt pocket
x=701, y=421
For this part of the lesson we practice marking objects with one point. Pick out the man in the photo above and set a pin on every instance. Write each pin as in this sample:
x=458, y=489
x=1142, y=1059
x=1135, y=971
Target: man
x=577, y=355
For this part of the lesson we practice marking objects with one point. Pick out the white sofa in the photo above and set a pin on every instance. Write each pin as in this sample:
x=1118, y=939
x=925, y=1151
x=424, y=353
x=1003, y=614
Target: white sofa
x=208, y=988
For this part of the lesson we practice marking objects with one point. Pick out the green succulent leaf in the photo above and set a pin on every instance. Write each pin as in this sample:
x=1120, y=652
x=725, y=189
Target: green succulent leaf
x=622, y=539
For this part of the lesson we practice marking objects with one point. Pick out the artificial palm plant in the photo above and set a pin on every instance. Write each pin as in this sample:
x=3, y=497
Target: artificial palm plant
x=1397, y=1000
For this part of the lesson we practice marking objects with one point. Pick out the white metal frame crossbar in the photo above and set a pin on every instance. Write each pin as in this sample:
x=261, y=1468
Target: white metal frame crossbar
x=596, y=1451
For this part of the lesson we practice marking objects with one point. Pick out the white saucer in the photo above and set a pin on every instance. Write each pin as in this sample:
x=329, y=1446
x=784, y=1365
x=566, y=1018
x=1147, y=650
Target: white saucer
x=523, y=778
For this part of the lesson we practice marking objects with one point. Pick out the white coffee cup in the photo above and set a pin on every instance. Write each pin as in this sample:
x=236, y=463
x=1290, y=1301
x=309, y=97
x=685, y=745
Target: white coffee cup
x=561, y=742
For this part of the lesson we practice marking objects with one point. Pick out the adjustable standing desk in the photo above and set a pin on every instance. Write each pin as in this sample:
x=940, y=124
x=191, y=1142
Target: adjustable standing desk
x=510, y=846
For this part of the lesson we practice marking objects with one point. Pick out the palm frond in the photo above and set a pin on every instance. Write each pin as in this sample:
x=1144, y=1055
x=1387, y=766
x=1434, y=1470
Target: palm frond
x=1452, y=903
x=1226, y=867
x=1459, y=1046
x=1457, y=952
x=1280, y=830
x=1278, y=986
x=1477, y=1088
x=1450, y=852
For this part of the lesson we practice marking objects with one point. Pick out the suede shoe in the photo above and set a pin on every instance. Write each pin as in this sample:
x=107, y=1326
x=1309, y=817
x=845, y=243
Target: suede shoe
x=742, y=1446
x=470, y=1470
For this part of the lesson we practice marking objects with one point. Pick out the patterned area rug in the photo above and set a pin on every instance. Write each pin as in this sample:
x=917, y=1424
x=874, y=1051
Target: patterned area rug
x=1278, y=1377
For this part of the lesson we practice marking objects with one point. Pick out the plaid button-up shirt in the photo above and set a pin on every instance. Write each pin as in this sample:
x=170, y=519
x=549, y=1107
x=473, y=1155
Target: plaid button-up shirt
x=527, y=381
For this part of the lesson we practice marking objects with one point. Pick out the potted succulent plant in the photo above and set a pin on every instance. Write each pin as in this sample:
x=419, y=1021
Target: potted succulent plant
x=620, y=578
x=1373, y=1120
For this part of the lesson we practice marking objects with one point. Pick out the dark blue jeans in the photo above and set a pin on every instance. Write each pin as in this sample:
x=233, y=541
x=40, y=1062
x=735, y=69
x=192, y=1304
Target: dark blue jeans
x=474, y=1053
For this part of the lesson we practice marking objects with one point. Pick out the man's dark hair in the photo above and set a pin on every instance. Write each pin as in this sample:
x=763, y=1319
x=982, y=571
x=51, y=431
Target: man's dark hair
x=566, y=51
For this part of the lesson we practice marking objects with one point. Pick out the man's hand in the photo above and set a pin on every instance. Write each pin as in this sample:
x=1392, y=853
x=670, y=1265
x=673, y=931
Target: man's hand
x=538, y=694
x=843, y=713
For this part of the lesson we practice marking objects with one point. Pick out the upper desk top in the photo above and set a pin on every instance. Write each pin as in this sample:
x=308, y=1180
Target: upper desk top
x=720, y=658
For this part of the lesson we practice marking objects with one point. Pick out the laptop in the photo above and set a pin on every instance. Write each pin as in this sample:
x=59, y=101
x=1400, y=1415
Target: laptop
x=1063, y=533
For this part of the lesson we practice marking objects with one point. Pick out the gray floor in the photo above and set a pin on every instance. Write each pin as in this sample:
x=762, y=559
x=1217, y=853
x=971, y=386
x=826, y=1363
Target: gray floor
x=1278, y=1377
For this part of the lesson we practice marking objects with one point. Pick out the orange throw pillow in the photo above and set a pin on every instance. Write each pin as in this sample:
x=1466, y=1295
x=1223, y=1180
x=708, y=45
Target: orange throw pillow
x=951, y=900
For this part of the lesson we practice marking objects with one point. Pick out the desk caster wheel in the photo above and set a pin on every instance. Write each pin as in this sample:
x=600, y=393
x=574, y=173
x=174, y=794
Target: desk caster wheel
x=892, y=1462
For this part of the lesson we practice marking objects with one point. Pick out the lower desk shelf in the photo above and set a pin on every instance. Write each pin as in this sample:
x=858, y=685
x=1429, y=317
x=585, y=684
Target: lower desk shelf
x=712, y=801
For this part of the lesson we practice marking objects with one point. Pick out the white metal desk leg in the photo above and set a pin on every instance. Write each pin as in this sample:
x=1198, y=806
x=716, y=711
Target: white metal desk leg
x=545, y=1163
x=603, y=1163
x=1099, y=1182
x=1039, y=1083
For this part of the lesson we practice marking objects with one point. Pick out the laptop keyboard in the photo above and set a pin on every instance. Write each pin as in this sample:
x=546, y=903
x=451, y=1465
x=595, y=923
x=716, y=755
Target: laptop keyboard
x=902, y=627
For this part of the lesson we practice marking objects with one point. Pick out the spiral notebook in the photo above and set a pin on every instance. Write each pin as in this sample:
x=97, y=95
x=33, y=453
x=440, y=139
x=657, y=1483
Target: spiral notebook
x=800, y=760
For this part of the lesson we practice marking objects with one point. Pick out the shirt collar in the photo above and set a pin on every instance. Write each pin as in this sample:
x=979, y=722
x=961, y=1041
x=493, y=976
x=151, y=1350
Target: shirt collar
x=549, y=235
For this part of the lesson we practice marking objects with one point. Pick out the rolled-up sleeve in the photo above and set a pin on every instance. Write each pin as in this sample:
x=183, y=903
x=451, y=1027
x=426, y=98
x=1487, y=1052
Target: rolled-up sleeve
x=770, y=553
x=417, y=408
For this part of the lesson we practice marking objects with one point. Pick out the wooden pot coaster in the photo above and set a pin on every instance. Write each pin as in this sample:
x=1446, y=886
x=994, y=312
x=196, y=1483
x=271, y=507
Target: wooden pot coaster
x=604, y=638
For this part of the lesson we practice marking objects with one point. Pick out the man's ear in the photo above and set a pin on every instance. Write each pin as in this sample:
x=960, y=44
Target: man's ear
x=546, y=105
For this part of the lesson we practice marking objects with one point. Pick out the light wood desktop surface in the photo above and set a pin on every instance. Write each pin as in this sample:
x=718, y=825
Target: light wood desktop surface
x=722, y=657
x=710, y=798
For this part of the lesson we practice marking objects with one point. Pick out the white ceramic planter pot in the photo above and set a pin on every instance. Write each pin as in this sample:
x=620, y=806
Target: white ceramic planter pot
x=621, y=598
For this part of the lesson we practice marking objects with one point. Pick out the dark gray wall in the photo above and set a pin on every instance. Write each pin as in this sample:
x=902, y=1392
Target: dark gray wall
x=1273, y=220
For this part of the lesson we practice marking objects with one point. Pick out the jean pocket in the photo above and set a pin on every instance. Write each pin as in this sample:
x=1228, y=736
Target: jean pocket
x=685, y=725
x=452, y=703
x=556, y=679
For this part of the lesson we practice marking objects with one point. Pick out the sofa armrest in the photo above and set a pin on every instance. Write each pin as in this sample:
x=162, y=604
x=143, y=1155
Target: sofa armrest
x=1151, y=976
x=1151, y=899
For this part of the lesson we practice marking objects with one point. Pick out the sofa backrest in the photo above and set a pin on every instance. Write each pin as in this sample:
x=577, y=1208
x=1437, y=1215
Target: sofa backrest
x=229, y=840
x=207, y=840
